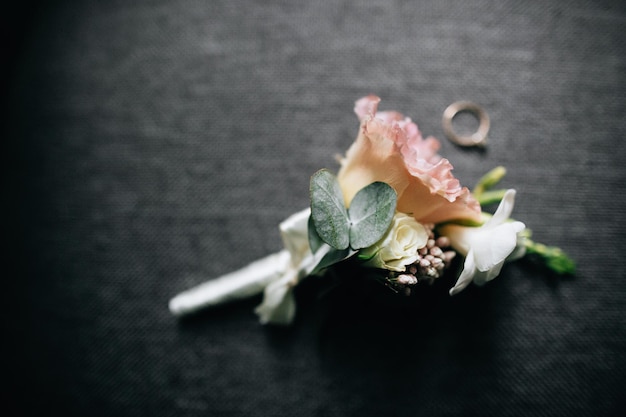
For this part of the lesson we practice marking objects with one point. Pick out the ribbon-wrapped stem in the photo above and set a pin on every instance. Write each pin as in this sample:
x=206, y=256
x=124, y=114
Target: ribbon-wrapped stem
x=243, y=283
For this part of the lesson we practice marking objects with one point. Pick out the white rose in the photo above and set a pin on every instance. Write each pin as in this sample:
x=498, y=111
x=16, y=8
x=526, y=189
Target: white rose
x=398, y=247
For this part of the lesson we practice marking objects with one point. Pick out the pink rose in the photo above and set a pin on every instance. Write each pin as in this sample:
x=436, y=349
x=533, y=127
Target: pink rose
x=390, y=148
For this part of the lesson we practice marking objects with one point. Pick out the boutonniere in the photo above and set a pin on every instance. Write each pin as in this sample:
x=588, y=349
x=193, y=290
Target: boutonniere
x=395, y=213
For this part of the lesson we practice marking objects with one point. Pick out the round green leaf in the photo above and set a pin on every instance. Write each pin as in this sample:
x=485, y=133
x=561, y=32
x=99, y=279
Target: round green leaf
x=370, y=213
x=328, y=211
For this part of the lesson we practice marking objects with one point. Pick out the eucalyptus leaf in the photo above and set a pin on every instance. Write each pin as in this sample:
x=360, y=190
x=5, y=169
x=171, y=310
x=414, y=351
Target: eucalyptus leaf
x=332, y=257
x=370, y=213
x=328, y=211
x=315, y=241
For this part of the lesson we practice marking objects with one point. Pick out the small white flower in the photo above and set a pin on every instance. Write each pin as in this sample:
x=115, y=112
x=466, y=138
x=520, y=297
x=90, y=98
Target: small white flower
x=487, y=247
x=398, y=247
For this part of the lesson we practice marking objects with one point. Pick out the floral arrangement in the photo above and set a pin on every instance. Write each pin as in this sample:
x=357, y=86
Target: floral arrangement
x=395, y=212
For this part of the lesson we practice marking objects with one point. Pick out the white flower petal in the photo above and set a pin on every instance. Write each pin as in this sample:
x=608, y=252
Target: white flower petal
x=492, y=246
x=483, y=277
x=520, y=248
x=398, y=247
x=504, y=210
x=488, y=246
x=469, y=269
x=460, y=236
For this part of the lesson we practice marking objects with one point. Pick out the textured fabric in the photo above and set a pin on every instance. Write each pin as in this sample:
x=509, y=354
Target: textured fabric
x=153, y=145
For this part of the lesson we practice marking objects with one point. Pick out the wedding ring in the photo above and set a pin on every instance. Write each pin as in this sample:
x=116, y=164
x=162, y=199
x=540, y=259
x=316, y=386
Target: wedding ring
x=478, y=138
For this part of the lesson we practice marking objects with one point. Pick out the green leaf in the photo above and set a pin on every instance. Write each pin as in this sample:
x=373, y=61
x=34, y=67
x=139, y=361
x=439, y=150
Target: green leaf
x=328, y=211
x=370, y=213
x=332, y=257
x=315, y=241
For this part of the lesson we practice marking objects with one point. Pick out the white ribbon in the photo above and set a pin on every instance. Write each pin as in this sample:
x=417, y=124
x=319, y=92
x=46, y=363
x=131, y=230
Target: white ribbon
x=245, y=282
x=295, y=260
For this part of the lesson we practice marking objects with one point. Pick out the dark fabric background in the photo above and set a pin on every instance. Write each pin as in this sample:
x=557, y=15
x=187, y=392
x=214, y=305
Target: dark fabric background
x=152, y=145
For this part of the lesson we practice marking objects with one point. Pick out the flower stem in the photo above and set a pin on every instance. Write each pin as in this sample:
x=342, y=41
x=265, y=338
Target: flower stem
x=554, y=258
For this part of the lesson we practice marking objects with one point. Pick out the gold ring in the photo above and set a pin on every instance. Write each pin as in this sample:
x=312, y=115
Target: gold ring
x=478, y=138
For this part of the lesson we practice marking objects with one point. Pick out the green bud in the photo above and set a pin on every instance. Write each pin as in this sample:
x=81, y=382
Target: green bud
x=489, y=180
